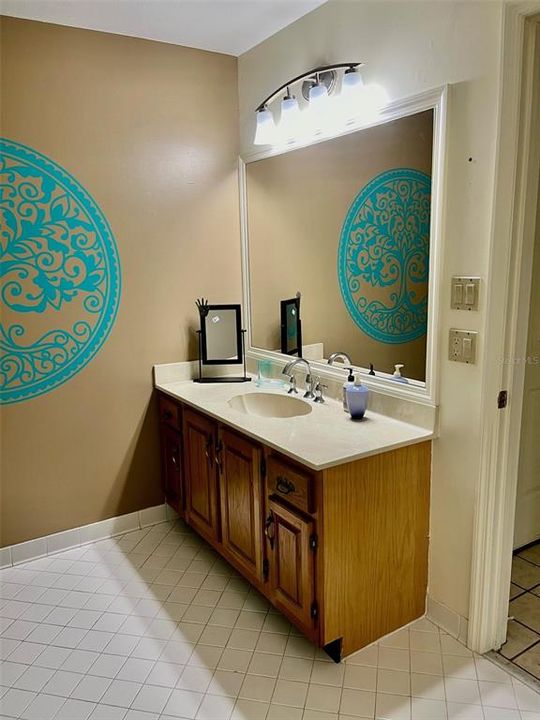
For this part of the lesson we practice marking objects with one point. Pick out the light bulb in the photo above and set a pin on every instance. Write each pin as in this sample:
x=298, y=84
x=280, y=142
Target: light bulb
x=350, y=99
x=289, y=124
x=359, y=102
x=351, y=80
x=377, y=96
x=374, y=98
x=317, y=116
x=265, y=134
x=318, y=96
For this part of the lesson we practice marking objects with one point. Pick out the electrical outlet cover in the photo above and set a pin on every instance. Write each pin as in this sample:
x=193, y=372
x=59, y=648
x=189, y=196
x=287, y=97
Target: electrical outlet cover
x=462, y=346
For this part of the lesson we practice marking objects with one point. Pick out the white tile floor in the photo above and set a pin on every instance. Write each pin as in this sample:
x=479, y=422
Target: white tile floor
x=155, y=625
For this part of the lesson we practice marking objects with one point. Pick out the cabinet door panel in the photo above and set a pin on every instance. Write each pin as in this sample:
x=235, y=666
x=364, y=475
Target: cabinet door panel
x=291, y=561
x=171, y=469
x=241, y=502
x=201, y=486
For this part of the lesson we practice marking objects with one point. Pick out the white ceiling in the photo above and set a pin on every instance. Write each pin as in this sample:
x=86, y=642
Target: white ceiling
x=226, y=26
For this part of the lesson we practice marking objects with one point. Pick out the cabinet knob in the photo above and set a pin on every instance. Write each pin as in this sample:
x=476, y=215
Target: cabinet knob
x=167, y=414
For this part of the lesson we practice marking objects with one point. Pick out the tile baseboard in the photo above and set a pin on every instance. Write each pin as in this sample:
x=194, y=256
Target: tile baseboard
x=75, y=537
x=449, y=620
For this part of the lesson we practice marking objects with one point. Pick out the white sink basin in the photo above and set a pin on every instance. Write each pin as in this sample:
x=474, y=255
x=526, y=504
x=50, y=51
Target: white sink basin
x=270, y=405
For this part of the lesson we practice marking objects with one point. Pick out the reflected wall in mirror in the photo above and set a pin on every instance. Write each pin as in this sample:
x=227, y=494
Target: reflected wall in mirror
x=347, y=221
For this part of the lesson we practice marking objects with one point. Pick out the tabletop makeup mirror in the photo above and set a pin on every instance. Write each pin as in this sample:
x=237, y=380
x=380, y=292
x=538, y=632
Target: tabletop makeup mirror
x=221, y=340
x=291, y=326
x=350, y=220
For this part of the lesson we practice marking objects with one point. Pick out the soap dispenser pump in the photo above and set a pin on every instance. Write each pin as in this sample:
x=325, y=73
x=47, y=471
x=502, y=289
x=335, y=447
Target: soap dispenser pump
x=348, y=382
x=357, y=398
x=397, y=376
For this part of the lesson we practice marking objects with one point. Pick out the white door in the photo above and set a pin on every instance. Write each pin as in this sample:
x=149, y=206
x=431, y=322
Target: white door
x=527, y=526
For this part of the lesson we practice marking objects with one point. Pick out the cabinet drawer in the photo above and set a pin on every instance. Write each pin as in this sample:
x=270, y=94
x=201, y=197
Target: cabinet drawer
x=290, y=483
x=169, y=412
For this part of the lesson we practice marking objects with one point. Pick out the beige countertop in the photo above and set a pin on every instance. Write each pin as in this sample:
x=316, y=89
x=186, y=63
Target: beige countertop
x=324, y=438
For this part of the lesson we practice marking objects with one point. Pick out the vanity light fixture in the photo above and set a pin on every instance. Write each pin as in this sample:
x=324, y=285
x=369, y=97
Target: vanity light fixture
x=323, y=113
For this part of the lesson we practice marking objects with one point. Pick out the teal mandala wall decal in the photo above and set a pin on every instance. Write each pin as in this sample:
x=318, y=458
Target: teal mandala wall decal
x=60, y=274
x=383, y=257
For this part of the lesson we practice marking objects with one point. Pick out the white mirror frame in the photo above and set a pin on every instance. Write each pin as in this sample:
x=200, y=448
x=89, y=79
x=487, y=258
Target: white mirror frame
x=425, y=393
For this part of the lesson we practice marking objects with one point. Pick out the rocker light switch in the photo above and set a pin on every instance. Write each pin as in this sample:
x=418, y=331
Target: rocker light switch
x=465, y=293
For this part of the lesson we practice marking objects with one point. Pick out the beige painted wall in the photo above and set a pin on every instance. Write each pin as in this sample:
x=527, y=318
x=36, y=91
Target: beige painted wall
x=410, y=47
x=137, y=123
x=297, y=203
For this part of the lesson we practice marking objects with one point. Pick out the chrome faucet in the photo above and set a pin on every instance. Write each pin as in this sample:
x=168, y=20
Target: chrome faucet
x=339, y=356
x=310, y=381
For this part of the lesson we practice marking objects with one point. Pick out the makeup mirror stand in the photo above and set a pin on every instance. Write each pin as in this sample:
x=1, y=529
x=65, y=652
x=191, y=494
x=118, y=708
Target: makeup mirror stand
x=223, y=378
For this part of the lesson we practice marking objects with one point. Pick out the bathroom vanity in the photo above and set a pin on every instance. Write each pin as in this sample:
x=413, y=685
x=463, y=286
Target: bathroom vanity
x=326, y=517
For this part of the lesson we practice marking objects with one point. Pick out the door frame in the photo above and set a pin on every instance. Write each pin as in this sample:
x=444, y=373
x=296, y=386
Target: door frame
x=516, y=193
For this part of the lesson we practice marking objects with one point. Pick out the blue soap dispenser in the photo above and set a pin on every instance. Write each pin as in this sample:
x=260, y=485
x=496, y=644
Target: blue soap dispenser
x=357, y=398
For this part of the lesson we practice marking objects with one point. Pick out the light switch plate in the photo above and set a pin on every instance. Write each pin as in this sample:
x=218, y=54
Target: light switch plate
x=462, y=346
x=465, y=292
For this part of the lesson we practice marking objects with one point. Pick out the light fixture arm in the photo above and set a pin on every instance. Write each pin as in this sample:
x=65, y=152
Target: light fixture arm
x=306, y=76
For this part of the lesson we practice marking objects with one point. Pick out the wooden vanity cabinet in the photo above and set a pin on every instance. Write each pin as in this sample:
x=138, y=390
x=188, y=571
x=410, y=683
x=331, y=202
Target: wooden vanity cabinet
x=241, y=502
x=292, y=565
x=224, y=491
x=201, y=485
x=171, y=453
x=342, y=553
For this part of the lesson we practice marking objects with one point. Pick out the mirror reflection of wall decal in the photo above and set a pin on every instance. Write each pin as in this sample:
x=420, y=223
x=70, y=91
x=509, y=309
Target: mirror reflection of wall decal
x=221, y=340
x=291, y=326
x=61, y=276
x=383, y=257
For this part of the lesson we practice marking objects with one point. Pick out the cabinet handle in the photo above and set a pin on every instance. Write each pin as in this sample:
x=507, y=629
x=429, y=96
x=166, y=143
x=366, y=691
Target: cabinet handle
x=284, y=486
x=269, y=525
x=219, y=448
x=174, y=457
x=207, y=450
x=167, y=414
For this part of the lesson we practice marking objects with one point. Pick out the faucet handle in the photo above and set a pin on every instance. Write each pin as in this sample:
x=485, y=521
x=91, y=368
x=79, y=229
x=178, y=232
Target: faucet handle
x=311, y=382
x=292, y=386
x=319, y=391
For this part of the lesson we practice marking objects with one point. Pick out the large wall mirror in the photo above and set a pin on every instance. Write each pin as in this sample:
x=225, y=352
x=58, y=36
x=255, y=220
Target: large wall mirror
x=349, y=223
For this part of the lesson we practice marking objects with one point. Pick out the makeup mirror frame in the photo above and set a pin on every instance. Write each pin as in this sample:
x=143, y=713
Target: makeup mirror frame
x=284, y=308
x=425, y=393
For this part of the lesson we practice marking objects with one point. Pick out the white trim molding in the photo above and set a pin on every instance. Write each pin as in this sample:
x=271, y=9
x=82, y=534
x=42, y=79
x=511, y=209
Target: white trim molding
x=75, y=537
x=425, y=393
x=518, y=155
